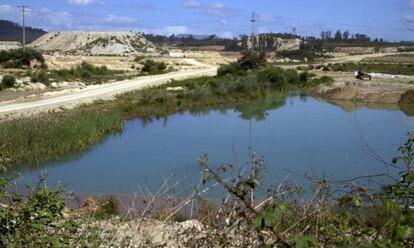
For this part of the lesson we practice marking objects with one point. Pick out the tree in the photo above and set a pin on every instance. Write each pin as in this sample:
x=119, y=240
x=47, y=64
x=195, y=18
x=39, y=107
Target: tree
x=345, y=35
x=338, y=35
x=252, y=60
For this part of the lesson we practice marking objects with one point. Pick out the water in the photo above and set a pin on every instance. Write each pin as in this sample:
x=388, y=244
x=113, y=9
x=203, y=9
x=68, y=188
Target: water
x=295, y=135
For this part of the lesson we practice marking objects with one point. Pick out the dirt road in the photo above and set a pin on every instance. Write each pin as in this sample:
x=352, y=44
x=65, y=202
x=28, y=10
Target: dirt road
x=98, y=92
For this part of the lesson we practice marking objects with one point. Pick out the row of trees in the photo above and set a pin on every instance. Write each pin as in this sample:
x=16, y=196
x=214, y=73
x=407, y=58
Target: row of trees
x=343, y=36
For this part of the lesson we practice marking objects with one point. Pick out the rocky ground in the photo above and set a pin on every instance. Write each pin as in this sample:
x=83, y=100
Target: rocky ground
x=94, y=43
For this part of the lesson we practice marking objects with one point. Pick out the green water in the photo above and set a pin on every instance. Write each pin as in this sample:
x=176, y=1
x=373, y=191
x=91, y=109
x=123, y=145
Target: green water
x=295, y=135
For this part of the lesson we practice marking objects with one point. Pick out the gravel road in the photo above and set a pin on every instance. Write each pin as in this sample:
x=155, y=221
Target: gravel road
x=97, y=92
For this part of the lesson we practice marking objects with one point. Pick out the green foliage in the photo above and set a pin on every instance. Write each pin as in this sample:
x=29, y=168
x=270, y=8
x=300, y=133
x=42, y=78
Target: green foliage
x=269, y=217
x=8, y=81
x=275, y=76
x=153, y=67
x=402, y=69
x=252, y=60
x=84, y=72
x=20, y=58
x=138, y=59
x=403, y=191
x=40, y=77
x=46, y=138
x=234, y=68
x=35, y=221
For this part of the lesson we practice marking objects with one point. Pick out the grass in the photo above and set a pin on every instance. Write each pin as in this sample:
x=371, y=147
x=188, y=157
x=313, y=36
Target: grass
x=45, y=138
x=85, y=72
x=402, y=69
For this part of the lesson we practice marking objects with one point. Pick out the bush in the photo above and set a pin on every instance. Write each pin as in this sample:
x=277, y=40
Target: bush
x=304, y=77
x=273, y=75
x=200, y=93
x=8, y=81
x=292, y=76
x=154, y=67
x=233, y=68
x=85, y=72
x=18, y=58
x=252, y=60
x=40, y=77
x=34, y=221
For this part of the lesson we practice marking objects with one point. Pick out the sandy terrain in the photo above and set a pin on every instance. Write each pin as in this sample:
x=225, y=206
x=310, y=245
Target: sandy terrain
x=375, y=91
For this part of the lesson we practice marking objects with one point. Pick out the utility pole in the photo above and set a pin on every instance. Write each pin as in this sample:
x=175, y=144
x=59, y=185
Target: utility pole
x=23, y=8
x=253, y=21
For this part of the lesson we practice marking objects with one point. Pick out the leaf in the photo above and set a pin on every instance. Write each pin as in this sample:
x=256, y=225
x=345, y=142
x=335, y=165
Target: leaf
x=345, y=200
x=270, y=217
x=258, y=223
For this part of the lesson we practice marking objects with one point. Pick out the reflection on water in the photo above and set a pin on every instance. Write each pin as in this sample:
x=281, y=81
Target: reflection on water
x=352, y=106
x=294, y=133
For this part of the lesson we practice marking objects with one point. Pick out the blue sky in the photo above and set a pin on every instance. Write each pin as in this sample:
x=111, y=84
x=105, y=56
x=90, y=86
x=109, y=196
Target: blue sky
x=379, y=18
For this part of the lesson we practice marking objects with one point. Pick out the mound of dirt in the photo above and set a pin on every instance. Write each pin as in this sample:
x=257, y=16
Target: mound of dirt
x=368, y=92
x=94, y=43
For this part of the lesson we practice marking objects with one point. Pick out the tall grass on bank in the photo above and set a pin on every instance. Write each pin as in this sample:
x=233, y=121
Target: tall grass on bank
x=45, y=138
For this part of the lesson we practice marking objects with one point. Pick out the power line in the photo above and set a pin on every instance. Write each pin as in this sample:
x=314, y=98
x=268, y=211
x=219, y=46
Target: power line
x=23, y=8
x=253, y=20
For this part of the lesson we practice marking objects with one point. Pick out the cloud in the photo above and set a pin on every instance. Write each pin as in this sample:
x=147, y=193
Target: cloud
x=226, y=34
x=268, y=18
x=52, y=20
x=84, y=2
x=191, y=4
x=180, y=29
x=213, y=9
x=410, y=3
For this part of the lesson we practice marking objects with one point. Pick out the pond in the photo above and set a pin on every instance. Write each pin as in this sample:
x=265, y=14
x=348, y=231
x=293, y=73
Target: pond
x=294, y=134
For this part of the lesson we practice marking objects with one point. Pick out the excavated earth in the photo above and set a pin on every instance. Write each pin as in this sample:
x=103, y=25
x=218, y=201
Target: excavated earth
x=94, y=43
x=367, y=91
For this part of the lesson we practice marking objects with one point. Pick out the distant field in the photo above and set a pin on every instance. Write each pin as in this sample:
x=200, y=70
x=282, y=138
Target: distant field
x=398, y=58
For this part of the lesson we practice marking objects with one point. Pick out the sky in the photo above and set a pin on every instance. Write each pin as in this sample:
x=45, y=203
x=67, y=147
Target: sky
x=389, y=19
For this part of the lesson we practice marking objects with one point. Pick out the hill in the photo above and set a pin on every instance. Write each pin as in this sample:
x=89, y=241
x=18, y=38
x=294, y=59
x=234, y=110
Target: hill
x=10, y=31
x=95, y=43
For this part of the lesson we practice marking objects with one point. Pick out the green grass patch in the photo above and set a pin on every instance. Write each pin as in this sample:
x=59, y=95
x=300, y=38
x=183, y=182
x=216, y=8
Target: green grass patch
x=48, y=137
x=85, y=72
x=399, y=69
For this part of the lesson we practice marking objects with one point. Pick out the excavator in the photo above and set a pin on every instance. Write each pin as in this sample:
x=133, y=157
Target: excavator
x=361, y=75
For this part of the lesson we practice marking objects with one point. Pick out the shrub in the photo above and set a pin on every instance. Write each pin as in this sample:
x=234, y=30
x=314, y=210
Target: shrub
x=18, y=58
x=200, y=93
x=273, y=75
x=233, y=68
x=292, y=76
x=8, y=81
x=40, y=77
x=36, y=220
x=304, y=77
x=139, y=58
x=252, y=60
x=153, y=67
